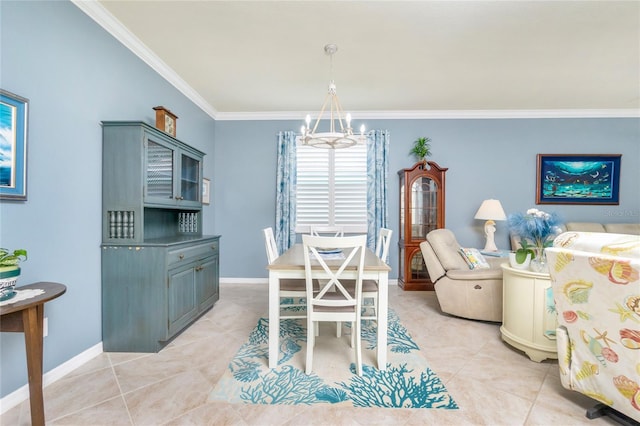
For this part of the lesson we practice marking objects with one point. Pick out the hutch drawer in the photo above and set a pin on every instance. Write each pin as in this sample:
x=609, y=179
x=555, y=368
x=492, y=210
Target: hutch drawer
x=188, y=254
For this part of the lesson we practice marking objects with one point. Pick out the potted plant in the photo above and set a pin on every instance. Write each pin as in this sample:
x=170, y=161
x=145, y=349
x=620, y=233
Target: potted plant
x=10, y=271
x=521, y=258
x=421, y=148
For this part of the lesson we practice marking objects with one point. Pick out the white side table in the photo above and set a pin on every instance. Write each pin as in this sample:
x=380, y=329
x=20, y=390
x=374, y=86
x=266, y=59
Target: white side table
x=527, y=323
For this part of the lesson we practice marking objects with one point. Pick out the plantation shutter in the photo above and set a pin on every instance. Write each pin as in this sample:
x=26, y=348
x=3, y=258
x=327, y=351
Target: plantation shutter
x=332, y=188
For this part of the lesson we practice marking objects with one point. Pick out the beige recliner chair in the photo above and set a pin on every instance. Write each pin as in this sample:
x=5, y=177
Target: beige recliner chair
x=461, y=291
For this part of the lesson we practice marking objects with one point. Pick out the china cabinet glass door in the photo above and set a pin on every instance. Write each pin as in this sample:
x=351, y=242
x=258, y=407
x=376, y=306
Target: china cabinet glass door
x=160, y=169
x=424, y=207
x=402, y=212
x=190, y=178
x=417, y=267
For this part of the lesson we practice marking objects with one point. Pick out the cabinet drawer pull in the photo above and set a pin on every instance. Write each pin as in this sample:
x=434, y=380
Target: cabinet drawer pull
x=181, y=256
x=199, y=268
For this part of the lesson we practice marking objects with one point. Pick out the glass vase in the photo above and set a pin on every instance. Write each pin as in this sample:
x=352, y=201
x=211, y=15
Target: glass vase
x=539, y=262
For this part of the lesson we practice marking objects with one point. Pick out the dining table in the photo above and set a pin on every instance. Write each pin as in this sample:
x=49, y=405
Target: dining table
x=291, y=265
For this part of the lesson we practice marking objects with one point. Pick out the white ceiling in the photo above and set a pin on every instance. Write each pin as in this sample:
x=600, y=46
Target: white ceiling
x=248, y=58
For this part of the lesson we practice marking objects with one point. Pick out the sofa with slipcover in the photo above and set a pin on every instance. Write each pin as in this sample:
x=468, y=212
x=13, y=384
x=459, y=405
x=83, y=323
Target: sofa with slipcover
x=596, y=289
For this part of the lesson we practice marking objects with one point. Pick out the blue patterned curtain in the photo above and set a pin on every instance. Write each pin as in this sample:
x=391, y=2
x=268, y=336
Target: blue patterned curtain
x=377, y=175
x=286, y=181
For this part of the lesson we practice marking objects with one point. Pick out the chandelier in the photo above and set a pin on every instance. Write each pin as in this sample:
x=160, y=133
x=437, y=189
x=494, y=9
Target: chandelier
x=339, y=135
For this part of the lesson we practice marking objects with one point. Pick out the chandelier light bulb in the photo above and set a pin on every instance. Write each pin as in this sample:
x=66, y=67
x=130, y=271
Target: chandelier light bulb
x=362, y=129
x=348, y=118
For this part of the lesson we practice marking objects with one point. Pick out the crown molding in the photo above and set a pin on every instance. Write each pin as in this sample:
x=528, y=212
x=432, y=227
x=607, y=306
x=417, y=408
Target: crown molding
x=102, y=17
x=443, y=114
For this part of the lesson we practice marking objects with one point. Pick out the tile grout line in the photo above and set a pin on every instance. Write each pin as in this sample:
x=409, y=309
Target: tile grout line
x=124, y=400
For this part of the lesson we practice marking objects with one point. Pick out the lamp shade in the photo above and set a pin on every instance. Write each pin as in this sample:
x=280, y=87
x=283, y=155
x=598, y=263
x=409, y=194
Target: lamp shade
x=491, y=210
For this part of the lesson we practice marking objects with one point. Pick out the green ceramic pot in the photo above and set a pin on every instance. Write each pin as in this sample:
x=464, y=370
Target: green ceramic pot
x=9, y=272
x=8, y=278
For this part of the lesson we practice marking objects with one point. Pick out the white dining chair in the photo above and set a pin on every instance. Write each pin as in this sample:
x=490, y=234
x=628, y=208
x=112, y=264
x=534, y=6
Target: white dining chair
x=333, y=302
x=326, y=231
x=383, y=243
x=293, y=291
x=370, y=287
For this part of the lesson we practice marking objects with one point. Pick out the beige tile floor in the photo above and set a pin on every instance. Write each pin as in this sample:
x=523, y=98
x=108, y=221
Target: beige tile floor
x=492, y=383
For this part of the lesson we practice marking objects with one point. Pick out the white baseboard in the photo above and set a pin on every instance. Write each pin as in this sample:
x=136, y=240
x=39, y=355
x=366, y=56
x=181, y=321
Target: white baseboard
x=22, y=394
x=244, y=280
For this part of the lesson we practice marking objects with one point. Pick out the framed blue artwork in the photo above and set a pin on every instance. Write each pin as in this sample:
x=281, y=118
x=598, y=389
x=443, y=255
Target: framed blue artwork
x=13, y=146
x=578, y=179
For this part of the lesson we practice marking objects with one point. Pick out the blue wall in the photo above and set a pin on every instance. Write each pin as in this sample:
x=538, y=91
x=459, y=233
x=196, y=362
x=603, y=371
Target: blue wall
x=76, y=75
x=488, y=158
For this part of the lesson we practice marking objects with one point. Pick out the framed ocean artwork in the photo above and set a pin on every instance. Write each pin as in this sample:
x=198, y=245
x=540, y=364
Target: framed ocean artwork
x=578, y=179
x=13, y=146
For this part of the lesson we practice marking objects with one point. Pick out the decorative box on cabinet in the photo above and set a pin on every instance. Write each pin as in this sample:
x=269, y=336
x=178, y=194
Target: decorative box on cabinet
x=159, y=273
x=422, y=200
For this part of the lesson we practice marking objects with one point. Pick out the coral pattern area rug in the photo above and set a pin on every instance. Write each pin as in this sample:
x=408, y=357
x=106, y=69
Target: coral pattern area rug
x=408, y=382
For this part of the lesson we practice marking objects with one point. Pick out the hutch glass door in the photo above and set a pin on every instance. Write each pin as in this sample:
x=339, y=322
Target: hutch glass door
x=190, y=179
x=159, y=172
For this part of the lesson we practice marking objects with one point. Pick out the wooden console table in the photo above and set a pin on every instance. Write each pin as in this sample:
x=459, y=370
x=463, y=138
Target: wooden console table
x=27, y=316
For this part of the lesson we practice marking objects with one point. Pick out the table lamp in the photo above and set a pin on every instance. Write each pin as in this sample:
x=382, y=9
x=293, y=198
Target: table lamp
x=490, y=210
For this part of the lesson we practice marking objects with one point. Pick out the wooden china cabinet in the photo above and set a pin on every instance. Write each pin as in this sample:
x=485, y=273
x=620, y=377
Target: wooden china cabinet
x=159, y=272
x=422, y=200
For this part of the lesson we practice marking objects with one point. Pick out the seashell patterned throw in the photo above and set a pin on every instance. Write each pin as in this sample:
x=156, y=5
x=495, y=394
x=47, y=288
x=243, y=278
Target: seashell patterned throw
x=596, y=288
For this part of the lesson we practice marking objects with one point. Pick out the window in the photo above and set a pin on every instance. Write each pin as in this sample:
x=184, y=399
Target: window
x=332, y=188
